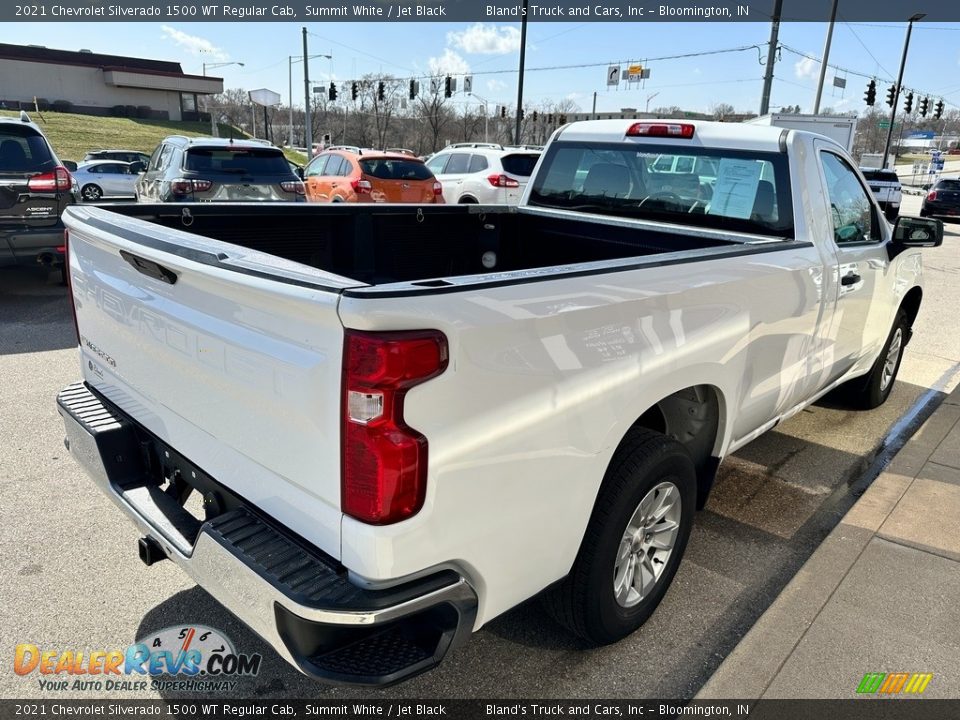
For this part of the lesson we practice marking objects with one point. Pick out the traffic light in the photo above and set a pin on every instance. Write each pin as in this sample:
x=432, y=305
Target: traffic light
x=908, y=104
x=413, y=89
x=353, y=91
x=550, y=119
x=924, y=106
x=871, y=97
x=503, y=112
x=891, y=94
x=448, y=86
x=938, y=110
x=332, y=92
x=534, y=115
x=563, y=119
x=381, y=91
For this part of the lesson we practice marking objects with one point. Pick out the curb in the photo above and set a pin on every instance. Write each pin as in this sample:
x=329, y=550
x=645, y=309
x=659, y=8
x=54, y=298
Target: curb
x=751, y=667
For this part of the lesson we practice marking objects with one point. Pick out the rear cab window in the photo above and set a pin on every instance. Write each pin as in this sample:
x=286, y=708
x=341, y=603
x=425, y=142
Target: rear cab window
x=735, y=190
x=395, y=169
x=884, y=176
x=22, y=149
x=239, y=161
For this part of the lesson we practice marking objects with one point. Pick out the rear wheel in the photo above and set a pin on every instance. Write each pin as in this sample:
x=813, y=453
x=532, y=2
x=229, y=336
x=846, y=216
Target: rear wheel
x=634, y=542
x=91, y=192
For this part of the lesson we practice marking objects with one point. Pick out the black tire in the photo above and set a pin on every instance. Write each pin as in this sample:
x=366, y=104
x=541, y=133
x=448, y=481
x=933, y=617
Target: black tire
x=585, y=601
x=869, y=392
x=91, y=192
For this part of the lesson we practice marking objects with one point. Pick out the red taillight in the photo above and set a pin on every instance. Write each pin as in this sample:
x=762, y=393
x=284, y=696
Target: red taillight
x=185, y=186
x=361, y=186
x=671, y=130
x=502, y=181
x=932, y=195
x=384, y=476
x=56, y=179
x=66, y=270
x=437, y=188
x=292, y=186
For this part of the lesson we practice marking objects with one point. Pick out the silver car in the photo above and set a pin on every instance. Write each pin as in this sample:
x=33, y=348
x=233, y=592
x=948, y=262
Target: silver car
x=107, y=179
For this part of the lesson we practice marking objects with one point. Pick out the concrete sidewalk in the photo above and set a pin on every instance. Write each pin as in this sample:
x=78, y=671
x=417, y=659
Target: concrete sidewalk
x=881, y=594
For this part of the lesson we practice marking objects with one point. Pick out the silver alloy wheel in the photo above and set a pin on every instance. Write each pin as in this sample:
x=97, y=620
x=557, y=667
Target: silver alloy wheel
x=647, y=544
x=91, y=192
x=893, y=356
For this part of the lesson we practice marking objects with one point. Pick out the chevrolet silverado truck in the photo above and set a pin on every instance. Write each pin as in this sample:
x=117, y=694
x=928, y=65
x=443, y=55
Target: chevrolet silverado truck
x=367, y=431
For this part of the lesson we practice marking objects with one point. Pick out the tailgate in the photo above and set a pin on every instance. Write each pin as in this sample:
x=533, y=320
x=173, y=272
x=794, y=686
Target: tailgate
x=230, y=356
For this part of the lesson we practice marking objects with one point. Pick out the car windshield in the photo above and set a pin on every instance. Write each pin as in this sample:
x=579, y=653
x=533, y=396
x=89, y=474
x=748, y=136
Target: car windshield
x=520, y=165
x=880, y=175
x=948, y=186
x=22, y=149
x=736, y=190
x=395, y=169
x=241, y=161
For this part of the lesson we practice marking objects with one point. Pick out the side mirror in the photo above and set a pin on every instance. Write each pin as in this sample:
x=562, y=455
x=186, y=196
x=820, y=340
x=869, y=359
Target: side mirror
x=918, y=232
x=70, y=165
x=300, y=173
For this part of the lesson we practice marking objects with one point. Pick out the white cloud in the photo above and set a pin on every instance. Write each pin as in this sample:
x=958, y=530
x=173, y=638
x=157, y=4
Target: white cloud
x=486, y=39
x=697, y=71
x=496, y=85
x=450, y=63
x=806, y=68
x=194, y=44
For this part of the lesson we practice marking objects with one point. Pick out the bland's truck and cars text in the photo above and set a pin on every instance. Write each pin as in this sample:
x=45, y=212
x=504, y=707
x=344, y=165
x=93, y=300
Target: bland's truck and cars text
x=367, y=431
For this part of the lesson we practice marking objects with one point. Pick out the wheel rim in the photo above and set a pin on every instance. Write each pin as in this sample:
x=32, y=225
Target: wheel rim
x=91, y=192
x=647, y=544
x=893, y=357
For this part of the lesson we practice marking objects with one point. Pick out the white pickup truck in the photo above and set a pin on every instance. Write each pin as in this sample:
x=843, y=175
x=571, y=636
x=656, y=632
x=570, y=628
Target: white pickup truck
x=369, y=430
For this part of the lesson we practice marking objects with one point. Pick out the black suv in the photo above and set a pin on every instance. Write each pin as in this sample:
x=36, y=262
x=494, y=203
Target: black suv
x=35, y=188
x=217, y=170
x=127, y=156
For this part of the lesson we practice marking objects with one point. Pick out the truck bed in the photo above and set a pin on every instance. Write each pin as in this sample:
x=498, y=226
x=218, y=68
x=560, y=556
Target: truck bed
x=401, y=243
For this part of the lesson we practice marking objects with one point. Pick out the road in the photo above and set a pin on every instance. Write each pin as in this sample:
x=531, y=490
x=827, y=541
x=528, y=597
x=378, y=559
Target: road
x=73, y=580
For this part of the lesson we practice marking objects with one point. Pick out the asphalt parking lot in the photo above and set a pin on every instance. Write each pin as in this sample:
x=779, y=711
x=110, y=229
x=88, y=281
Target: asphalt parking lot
x=73, y=579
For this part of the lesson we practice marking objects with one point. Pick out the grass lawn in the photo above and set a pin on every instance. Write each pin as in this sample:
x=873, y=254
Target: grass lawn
x=73, y=135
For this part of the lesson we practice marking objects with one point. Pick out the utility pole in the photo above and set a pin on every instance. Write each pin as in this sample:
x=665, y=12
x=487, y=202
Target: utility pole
x=290, y=96
x=594, y=112
x=826, y=55
x=306, y=98
x=771, y=56
x=896, y=94
x=523, y=51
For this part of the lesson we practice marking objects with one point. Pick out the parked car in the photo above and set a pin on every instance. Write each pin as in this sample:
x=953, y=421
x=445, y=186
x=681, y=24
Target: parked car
x=370, y=177
x=107, y=178
x=943, y=200
x=128, y=156
x=476, y=173
x=885, y=185
x=409, y=420
x=35, y=188
x=185, y=169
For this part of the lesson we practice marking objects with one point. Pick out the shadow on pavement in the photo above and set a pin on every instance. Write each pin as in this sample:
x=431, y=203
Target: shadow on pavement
x=34, y=311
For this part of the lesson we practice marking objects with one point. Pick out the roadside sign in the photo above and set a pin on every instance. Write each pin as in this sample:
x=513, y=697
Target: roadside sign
x=613, y=75
x=468, y=84
x=634, y=72
x=884, y=124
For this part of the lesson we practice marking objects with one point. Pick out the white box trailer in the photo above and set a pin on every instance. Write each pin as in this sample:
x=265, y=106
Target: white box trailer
x=839, y=128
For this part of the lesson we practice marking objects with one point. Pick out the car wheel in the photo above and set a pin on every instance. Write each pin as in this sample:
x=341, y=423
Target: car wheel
x=633, y=543
x=874, y=388
x=91, y=192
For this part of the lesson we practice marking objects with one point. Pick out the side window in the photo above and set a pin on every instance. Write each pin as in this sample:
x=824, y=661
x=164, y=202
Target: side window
x=850, y=206
x=346, y=167
x=477, y=163
x=333, y=165
x=458, y=164
x=155, y=158
x=316, y=166
x=112, y=169
x=95, y=169
x=164, y=162
x=684, y=164
x=436, y=163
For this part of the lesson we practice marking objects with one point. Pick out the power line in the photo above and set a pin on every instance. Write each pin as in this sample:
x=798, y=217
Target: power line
x=863, y=45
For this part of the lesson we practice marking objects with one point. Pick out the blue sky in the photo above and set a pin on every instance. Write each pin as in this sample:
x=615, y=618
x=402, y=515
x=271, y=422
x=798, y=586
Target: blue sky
x=489, y=52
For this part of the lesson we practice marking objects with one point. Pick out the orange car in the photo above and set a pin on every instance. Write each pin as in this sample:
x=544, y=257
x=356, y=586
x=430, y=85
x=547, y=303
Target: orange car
x=344, y=176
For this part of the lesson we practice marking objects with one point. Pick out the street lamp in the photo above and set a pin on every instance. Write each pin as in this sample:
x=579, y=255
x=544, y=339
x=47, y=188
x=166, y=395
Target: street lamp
x=291, y=59
x=903, y=62
x=486, y=116
x=213, y=124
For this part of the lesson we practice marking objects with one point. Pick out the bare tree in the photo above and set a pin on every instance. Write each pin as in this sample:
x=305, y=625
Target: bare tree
x=721, y=111
x=432, y=101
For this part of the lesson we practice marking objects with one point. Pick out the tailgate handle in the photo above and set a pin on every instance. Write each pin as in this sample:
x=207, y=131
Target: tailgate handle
x=150, y=268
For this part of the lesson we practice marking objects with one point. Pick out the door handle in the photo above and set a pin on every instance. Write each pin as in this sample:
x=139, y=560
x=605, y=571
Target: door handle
x=851, y=279
x=150, y=268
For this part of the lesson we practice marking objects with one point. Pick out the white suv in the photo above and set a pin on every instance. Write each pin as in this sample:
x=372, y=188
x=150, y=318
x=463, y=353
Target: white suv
x=483, y=173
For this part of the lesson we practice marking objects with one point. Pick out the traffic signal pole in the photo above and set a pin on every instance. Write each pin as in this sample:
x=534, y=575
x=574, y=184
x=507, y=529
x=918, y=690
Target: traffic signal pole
x=523, y=51
x=306, y=98
x=826, y=55
x=896, y=95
